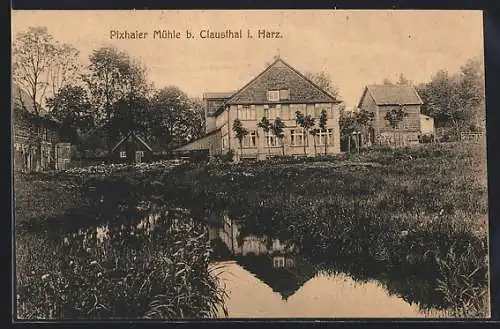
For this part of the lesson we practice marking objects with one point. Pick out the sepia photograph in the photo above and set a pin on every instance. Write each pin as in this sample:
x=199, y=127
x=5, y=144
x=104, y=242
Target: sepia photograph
x=249, y=164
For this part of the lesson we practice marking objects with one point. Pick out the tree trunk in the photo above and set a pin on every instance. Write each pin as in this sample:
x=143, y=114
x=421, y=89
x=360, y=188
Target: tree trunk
x=241, y=150
x=282, y=147
x=348, y=143
x=314, y=141
x=305, y=140
x=38, y=149
x=326, y=142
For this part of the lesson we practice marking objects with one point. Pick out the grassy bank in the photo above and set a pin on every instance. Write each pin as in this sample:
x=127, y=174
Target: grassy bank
x=419, y=213
x=64, y=271
x=402, y=217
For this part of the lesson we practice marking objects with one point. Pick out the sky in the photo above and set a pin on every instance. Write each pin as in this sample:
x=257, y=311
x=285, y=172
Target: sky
x=355, y=47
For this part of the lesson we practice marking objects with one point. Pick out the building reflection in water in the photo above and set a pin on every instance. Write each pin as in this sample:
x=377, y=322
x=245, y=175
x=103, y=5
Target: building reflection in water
x=273, y=262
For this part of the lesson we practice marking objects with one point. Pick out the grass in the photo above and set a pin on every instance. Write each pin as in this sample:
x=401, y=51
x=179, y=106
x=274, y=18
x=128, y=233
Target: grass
x=416, y=215
x=419, y=211
x=64, y=272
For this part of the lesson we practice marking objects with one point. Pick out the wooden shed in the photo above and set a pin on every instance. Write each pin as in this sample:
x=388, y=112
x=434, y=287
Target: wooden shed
x=132, y=149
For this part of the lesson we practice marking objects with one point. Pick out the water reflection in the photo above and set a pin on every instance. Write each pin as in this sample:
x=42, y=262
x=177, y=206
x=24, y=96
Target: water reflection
x=266, y=277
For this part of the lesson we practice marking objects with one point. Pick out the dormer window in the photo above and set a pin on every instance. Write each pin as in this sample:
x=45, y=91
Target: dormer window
x=284, y=94
x=273, y=95
x=278, y=95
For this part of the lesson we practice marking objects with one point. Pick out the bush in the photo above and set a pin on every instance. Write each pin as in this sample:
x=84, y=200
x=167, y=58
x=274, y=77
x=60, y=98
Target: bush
x=134, y=272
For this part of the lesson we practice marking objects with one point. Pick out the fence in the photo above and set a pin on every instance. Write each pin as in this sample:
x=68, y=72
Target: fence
x=473, y=137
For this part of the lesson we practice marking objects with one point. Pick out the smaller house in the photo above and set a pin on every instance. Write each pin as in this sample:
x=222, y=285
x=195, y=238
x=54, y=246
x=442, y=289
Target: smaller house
x=54, y=154
x=132, y=149
x=380, y=99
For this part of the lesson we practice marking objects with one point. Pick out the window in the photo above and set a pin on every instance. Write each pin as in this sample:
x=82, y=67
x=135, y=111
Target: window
x=296, y=137
x=271, y=140
x=274, y=111
x=317, y=110
x=250, y=140
x=278, y=262
x=224, y=142
x=246, y=112
x=273, y=95
x=325, y=137
x=123, y=154
x=284, y=94
x=140, y=153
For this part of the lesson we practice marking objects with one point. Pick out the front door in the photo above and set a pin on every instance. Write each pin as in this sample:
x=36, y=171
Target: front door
x=138, y=156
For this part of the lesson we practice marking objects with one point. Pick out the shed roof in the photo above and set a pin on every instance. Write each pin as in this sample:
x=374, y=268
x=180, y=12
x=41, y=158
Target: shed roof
x=217, y=95
x=392, y=95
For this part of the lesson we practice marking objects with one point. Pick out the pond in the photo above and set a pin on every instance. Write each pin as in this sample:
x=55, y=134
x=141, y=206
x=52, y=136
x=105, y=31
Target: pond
x=266, y=278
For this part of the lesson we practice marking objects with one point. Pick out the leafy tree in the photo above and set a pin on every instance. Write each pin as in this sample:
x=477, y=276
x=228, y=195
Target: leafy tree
x=278, y=129
x=174, y=118
x=324, y=81
x=36, y=60
x=323, y=120
x=363, y=119
x=265, y=125
x=306, y=122
x=130, y=114
x=394, y=116
x=240, y=133
x=456, y=100
x=113, y=77
x=71, y=106
x=347, y=122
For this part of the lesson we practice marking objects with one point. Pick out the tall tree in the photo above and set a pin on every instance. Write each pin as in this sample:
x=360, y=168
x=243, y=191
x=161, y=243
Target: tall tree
x=240, y=133
x=394, y=116
x=172, y=116
x=36, y=56
x=71, y=106
x=65, y=69
x=324, y=81
x=456, y=100
x=278, y=129
x=323, y=120
x=113, y=76
x=130, y=114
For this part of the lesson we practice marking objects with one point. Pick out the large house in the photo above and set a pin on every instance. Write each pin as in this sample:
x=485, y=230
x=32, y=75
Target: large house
x=379, y=99
x=54, y=155
x=278, y=91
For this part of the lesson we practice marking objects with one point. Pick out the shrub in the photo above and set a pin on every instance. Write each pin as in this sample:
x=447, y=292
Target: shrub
x=134, y=272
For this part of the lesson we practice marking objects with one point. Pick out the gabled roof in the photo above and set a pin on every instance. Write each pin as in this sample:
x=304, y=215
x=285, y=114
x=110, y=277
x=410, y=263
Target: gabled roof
x=22, y=104
x=392, y=95
x=280, y=75
x=142, y=141
x=285, y=281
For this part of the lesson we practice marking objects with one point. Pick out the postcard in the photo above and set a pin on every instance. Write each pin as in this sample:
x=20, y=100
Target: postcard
x=252, y=164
